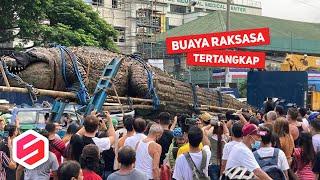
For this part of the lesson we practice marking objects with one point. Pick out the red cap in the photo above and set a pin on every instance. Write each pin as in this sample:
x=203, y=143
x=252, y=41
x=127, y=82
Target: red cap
x=251, y=129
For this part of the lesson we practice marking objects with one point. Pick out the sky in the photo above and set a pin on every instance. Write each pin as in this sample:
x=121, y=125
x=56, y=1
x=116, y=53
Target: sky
x=298, y=10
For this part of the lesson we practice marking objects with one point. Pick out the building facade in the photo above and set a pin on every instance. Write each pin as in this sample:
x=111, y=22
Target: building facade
x=140, y=21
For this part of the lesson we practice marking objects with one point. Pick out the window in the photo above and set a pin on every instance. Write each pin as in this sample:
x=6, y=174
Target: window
x=97, y=2
x=178, y=9
x=171, y=27
x=122, y=34
x=116, y=4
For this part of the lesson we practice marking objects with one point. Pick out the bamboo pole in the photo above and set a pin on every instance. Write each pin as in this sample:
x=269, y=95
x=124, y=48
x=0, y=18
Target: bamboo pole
x=41, y=92
x=4, y=75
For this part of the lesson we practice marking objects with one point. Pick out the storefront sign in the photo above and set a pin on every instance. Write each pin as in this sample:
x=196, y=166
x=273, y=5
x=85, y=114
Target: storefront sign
x=220, y=58
x=211, y=5
x=221, y=40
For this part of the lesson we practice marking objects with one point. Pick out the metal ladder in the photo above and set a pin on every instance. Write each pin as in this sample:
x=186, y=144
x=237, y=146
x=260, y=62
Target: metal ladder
x=104, y=83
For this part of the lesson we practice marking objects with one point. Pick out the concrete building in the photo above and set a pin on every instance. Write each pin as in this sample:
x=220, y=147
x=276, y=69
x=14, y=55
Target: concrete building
x=140, y=21
x=286, y=37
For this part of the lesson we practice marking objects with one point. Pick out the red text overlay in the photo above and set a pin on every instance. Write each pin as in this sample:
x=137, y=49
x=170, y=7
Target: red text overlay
x=219, y=58
x=220, y=40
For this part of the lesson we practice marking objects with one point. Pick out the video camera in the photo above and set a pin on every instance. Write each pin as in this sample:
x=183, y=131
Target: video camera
x=4, y=136
x=191, y=121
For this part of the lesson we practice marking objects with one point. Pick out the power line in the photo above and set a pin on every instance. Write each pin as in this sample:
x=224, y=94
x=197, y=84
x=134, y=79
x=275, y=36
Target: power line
x=307, y=4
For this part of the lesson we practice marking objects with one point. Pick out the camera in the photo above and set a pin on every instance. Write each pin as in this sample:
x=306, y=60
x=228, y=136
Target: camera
x=190, y=121
x=215, y=121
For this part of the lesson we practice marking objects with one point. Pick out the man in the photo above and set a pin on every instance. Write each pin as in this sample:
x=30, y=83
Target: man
x=280, y=111
x=127, y=158
x=241, y=154
x=295, y=126
x=167, y=136
x=267, y=153
x=43, y=171
x=182, y=169
x=56, y=145
x=90, y=128
x=304, y=116
x=128, y=124
x=148, y=153
x=236, y=139
x=271, y=118
x=139, y=125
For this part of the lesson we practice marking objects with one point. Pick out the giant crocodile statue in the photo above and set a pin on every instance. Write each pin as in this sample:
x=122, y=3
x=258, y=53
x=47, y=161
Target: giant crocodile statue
x=42, y=67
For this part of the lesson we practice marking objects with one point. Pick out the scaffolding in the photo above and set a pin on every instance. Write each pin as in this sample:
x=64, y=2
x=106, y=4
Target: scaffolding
x=137, y=21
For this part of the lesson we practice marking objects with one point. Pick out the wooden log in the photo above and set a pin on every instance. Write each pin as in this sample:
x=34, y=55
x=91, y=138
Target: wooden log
x=40, y=92
x=126, y=107
x=218, y=108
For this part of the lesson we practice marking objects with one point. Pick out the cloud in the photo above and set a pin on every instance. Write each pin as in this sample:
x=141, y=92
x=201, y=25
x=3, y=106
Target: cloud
x=297, y=10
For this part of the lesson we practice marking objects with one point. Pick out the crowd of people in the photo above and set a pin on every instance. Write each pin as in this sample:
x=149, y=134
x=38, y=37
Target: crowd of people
x=273, y=144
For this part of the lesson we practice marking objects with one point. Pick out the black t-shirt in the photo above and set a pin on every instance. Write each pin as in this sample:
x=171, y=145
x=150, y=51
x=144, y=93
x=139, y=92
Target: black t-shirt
x=316, y=165
x=165, y=142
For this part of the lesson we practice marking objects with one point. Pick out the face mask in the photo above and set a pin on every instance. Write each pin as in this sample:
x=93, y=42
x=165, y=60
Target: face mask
x=256, y=145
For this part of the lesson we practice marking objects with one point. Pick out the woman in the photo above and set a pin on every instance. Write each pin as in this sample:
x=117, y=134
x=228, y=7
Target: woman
x=304, y=156
x=281, y=129
x=89, y=161
x=179, y=139
x=70, y=170
x=217, y=141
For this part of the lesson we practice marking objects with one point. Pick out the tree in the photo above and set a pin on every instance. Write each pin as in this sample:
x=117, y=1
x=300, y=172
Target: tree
x=71, y=23
x=243, y=89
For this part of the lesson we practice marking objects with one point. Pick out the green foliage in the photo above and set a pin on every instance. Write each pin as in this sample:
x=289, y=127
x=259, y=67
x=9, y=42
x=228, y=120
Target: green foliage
x=72, y=23
x=243, y=89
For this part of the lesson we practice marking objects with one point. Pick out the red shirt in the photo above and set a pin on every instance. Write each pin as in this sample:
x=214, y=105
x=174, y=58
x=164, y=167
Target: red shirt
x=57, y=147
x=90, y=175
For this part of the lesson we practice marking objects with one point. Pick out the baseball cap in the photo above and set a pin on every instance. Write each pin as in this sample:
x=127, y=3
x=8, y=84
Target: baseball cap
x=206, y=117
x=251, y=129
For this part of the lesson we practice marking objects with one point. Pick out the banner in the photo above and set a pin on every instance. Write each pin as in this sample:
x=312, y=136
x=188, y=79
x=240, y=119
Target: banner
x=220, y=40
x=220, y=58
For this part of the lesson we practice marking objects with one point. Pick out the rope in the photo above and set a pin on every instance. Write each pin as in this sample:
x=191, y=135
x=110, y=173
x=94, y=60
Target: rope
x=151, y=89
x=195, y=97
x=115, y=91
x=33, y=92
x=219, y=98
x=82, y=92
x=130, y=102
x=88, y=70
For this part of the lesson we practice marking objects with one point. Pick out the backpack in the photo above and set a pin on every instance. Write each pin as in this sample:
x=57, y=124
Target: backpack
x=83, y=142
x=198, y=174
x=269, y=165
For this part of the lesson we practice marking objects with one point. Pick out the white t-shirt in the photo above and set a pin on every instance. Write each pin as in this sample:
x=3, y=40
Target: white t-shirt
x=227, y=149
x=282, y=160
x=182, y=170
x=102, y=143
x=241, y=155
x=316, y=142
x=305, y=121
x=133, y=140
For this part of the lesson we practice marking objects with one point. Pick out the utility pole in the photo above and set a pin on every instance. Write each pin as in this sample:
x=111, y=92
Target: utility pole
x=227, y=72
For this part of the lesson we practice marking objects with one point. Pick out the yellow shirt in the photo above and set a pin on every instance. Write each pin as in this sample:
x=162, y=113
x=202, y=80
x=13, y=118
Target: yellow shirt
x=185, y=148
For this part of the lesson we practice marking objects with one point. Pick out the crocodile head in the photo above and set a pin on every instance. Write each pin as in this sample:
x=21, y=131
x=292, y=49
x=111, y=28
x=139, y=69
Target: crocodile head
x=41, y=67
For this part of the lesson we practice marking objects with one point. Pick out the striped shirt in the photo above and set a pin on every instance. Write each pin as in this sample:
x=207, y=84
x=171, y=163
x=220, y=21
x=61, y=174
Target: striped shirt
x=4, y=163
x=305, y=172
x=57, y=146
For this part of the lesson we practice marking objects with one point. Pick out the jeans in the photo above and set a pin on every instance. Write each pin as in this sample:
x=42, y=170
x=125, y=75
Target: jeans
x=214, y=172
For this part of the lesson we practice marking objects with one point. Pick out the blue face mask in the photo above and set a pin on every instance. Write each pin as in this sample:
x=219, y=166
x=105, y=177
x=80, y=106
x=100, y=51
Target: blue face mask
x=256, y=145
